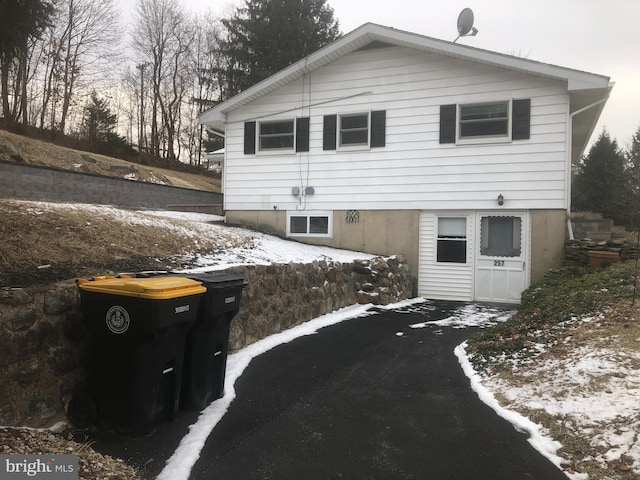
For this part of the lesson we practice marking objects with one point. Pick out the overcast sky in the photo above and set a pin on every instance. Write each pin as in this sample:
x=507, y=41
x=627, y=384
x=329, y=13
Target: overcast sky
x=597, y=36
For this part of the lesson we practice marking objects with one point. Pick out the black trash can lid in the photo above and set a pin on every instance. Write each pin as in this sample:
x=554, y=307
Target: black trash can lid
x=222, y=280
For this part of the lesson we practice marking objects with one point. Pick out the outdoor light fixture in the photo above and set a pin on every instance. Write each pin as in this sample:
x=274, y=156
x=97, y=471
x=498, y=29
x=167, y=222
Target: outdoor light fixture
x=500, y=199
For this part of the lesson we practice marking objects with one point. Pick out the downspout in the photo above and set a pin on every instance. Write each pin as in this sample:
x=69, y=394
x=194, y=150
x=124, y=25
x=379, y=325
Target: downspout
x=570, y=172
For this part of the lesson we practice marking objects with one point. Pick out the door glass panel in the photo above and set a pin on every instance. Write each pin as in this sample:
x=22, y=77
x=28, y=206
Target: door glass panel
x=501, y=236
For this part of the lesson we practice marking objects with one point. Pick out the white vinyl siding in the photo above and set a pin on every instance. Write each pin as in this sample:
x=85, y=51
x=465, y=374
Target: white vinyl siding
x=444, y=281
x=413, y=170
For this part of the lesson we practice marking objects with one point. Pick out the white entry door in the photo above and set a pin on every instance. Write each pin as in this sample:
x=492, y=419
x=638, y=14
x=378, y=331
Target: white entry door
x=501, y=267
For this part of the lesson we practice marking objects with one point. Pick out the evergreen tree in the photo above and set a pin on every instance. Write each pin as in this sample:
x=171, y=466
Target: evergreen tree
x=265, y=36
x=99, y=128
x=601, y=184
x=633, y=178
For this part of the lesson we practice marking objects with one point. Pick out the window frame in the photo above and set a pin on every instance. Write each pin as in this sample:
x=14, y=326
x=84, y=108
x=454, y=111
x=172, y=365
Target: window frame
x=339, y=131
x=276, y=151
x=439, y=238
x=478, y=139
x=310, y=214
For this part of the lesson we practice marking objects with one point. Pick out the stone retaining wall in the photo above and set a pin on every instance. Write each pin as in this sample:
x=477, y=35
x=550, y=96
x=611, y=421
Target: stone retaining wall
x=43, y=342
x=576, y=252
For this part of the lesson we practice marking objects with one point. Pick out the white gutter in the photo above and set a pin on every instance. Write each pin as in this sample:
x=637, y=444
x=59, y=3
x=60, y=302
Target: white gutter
x=570, y=173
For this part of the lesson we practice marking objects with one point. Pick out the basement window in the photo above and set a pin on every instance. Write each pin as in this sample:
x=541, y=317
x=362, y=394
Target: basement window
x=309, y=224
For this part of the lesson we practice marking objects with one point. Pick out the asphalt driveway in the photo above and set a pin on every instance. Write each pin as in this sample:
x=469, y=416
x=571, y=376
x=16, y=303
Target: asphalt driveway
x=368, y=398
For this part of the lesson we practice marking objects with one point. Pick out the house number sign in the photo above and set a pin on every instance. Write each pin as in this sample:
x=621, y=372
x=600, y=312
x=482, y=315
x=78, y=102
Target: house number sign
x=498, y=263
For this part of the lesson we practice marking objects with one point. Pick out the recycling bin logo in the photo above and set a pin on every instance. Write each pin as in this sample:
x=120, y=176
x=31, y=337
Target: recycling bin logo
x=118, y=319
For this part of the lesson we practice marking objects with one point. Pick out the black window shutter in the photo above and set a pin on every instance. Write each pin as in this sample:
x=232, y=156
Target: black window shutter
x=329, y=132
x=448, y=123
x=521, y=119
x=302, y=134
x=249, y=138
x=378, y=128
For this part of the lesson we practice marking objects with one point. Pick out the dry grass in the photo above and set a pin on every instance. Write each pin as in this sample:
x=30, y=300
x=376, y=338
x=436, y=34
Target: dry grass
x=36, y=152
x=40, y=245
x=91, y=465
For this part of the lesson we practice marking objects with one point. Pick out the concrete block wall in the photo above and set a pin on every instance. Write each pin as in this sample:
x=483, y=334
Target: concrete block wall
x=597, y=229
x=29, y=182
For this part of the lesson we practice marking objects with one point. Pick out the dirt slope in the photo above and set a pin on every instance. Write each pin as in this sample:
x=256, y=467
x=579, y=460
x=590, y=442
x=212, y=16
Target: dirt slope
x=22, y=149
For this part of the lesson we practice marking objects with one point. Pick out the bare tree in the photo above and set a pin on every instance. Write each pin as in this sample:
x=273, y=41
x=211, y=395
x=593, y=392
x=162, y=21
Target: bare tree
x=163, y=39
x=208, y=84
x=79, y=45
x=21, y=23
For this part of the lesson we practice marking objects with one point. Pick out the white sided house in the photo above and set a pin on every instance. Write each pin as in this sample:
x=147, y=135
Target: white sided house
x=390, y=142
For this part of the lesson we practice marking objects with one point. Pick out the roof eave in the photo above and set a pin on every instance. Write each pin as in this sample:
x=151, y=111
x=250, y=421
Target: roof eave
x=369, y=32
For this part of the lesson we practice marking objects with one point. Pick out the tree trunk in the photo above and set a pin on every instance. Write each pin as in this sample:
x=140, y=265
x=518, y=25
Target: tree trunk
x=5, y=66
x=23, y=95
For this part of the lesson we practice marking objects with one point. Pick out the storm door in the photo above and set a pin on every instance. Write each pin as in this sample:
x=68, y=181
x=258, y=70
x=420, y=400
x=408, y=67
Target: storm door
x=501, y=268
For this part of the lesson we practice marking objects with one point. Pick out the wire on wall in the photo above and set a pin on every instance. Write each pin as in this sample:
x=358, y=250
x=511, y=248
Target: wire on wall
x=304, y=163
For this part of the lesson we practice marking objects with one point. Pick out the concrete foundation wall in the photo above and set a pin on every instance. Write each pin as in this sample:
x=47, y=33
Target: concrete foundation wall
x=547, y=241
x=28, y=182
x=389, y=232
x=379, y=232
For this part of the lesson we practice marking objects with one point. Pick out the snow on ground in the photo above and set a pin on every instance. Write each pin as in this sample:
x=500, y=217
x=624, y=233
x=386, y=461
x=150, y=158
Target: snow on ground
x=471, y=316
x=231, y=245
x=591, y=391
x=261, y=250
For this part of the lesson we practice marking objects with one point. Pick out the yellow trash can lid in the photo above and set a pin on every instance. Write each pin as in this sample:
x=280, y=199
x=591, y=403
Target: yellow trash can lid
x=155, y=288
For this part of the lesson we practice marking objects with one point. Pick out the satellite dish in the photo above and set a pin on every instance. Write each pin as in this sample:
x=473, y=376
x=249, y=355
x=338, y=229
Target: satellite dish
x=465, y=24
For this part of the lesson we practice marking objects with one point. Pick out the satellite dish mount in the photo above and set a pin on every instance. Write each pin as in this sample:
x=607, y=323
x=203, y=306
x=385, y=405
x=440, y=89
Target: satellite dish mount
x=465, y=24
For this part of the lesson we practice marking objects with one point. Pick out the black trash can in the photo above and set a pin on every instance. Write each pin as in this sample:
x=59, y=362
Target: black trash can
x=207, y=343
x=138, y=328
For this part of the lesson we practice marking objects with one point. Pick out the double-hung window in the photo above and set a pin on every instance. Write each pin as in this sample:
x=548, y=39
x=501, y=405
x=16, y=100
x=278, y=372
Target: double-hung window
x=276, y=135
x=309, y=224
x=354, y=130
x=452, y=240
x=484, y=120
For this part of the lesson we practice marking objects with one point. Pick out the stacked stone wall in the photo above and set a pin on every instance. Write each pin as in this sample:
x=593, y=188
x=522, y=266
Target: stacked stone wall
x=43, y=342
x=576, y=252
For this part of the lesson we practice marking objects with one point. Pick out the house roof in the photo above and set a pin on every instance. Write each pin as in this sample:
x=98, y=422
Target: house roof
x=586, y=89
